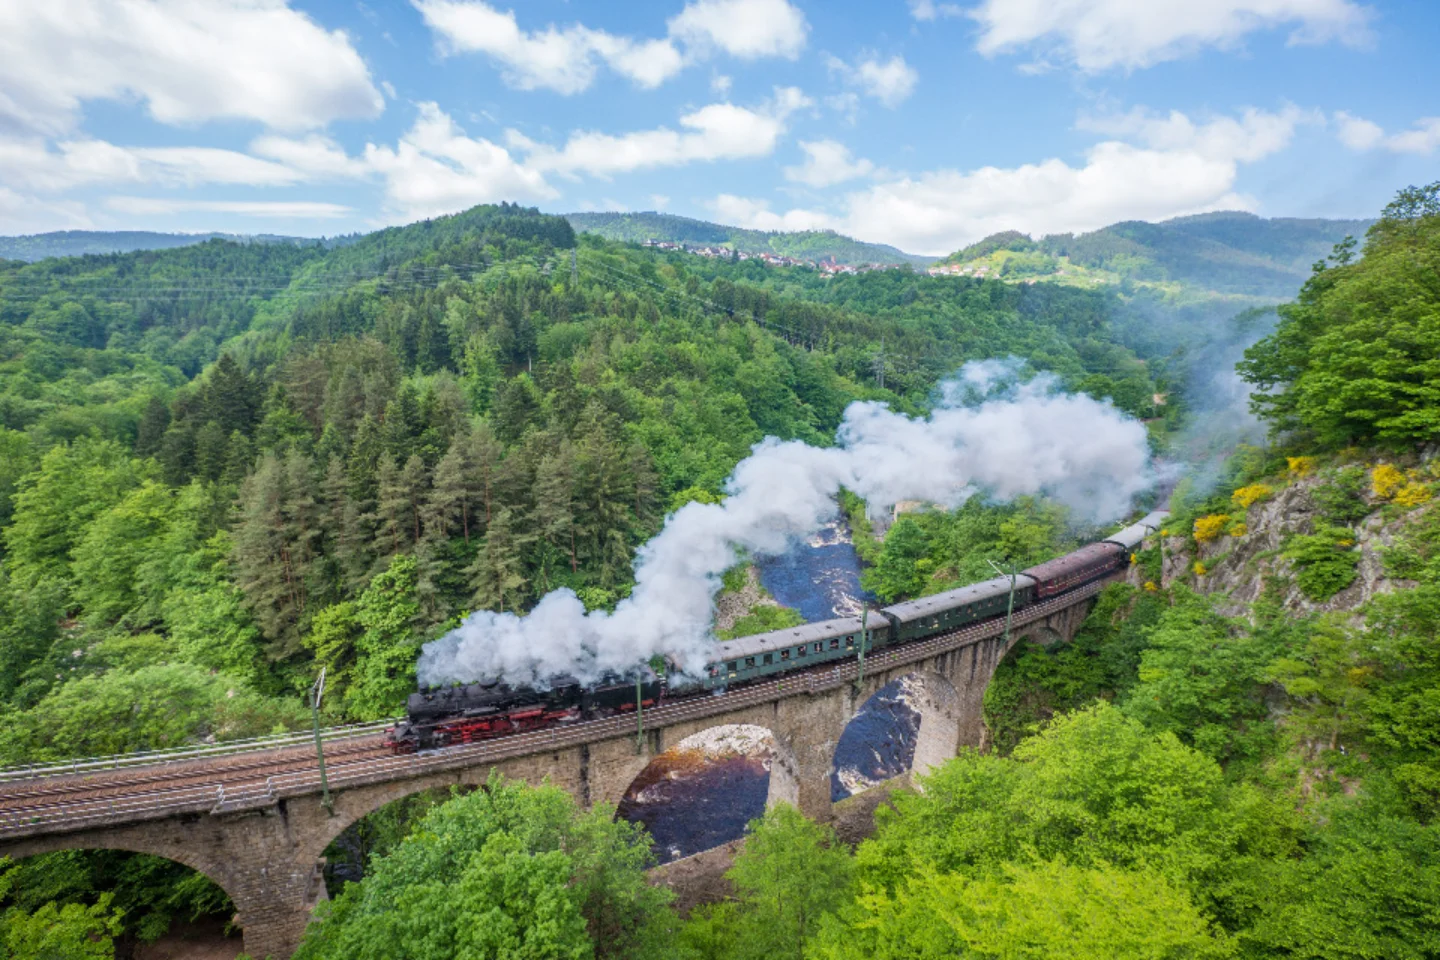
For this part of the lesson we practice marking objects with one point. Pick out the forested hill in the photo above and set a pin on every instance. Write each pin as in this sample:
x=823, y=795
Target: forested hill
x=1226, y=253
x=803, y=245
x=79, y=243
x=260, y=459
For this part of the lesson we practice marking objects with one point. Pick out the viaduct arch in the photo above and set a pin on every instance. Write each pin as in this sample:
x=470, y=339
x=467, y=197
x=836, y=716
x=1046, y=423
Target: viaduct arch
x=262, y=842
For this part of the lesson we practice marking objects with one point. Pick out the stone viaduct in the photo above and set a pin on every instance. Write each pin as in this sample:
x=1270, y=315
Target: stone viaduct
x=263, y=844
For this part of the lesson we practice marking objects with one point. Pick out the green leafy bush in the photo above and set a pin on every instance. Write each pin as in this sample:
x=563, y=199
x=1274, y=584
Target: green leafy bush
x=1324, y=561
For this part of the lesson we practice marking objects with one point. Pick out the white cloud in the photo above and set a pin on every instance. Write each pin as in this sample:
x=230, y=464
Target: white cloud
x=1424, y=137
x=756, y=215
x=436, y=169
x=188, y=62
x=559, y=59
x=827, y=162
x=743, y=28
x=659, y=200
x=1099, y=35
x=30, y=163
x=1255, y=134
x=286, y=209
x=890, y=81
x=26, y=214
x=720, y=131
x=1179, y=167
x=566, y=59
x=720, y=84
x=1357, y=133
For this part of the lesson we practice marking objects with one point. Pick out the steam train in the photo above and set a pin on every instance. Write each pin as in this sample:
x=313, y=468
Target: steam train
x=446, y=716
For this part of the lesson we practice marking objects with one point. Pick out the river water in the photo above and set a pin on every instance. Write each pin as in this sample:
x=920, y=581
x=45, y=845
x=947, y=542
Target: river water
x=698, y=798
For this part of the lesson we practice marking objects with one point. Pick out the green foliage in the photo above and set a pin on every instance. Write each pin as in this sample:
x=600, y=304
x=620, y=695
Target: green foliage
x=55, y=932
x=386, y=648
x=762, y=618
x=1202, y=677
x=1369, y=886
x=149, y=708
x=932, y=551
x=1324, y=561
x=1357, y=357
x=789, y=874
x=1341, y=498
x=504, y=871
x=146, y=893
x=1096, y=789
x=1045, y=911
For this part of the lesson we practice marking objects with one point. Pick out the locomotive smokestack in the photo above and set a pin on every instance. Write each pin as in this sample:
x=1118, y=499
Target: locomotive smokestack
x=989, y=433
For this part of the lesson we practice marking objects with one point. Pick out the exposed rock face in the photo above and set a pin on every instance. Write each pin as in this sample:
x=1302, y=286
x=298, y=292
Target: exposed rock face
x=1238, y=568
x=731, y=606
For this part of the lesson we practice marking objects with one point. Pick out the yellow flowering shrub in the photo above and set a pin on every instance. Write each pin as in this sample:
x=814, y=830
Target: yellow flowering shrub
x=1386, y=481
x=1237, y=530
x=1254, y=493
x=1208, y=528
x=1301, y=466
x=1150, y=586
x=1413, y=494
x=1199, y=569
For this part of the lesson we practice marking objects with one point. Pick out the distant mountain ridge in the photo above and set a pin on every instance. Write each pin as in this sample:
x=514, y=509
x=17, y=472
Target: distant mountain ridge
x=803, y=245
x=1228, y=252
x=78, y=243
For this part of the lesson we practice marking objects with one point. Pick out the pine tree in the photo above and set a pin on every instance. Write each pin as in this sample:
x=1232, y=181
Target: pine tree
x=210, y=450
x=151, y=430
x=497, y=575
x=392, y=509
x=482, y=458
x=302, y=527
x=446, y=508
x=262, y=570
x=415, y=482
x=554, y=516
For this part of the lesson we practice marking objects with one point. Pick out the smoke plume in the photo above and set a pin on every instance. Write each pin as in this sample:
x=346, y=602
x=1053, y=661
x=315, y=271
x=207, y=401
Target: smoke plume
x=988, y=433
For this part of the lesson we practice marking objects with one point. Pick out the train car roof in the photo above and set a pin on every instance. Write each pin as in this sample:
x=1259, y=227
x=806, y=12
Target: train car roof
x=1064, y=564
x=792, y=636
x=1131, y=536
x=928, y=606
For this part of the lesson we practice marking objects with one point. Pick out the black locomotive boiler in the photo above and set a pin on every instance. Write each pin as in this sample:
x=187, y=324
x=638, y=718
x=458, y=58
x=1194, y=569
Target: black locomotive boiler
x=444, y=716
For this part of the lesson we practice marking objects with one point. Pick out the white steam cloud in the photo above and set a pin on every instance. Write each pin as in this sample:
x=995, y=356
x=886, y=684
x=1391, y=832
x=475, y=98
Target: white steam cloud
x=989, y=433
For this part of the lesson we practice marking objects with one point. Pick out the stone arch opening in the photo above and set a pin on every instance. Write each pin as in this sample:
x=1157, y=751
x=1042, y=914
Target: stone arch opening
x=910, y=725
x=348, y=854
x=1018, y=697
x=701, y=792
x=172, y=905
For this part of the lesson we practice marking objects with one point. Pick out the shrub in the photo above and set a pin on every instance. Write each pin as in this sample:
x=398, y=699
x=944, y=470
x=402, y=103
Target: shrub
x=1385, y=481
x=1199, y=569
x=1413, y=494
x=1237, y=529
x=1324, y=562
x=1341, y=499
x=1301, y=466
x=1254, y=493
x=1209, y=527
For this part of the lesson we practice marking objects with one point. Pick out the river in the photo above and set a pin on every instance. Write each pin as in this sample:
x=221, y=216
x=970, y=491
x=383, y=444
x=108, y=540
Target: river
x=697, y=798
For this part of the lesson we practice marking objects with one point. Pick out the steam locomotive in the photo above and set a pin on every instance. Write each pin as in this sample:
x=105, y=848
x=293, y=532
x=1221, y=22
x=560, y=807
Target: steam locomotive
x=446, y=716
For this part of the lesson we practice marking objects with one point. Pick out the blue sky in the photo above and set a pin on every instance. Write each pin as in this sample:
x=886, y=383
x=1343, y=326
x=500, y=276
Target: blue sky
x=920, y=123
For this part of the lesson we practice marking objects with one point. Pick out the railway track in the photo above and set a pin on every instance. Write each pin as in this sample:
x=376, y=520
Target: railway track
x=150, y=781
